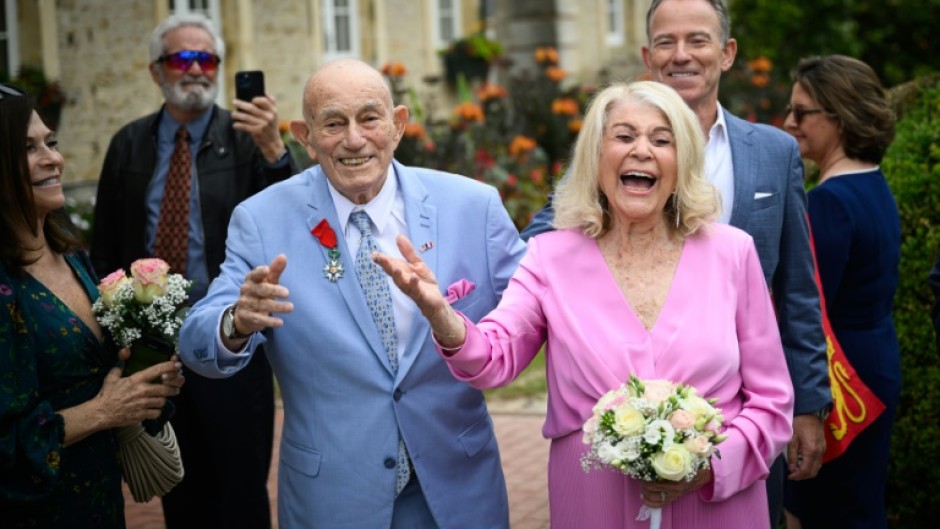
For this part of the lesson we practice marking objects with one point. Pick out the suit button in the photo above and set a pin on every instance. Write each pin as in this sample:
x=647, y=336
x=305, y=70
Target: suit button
x=397, y=395
x=390, y=463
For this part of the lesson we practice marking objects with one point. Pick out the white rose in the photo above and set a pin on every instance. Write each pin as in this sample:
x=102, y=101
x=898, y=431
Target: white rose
x=628, y=420
x=674, y=463
x=697, y=406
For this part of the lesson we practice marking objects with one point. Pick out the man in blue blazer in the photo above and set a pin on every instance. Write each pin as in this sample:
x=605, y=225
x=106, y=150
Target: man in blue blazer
x=290, y=281
x=759, y=174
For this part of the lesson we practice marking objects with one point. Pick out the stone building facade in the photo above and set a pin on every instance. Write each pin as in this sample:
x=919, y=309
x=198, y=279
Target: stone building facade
x=97, y=50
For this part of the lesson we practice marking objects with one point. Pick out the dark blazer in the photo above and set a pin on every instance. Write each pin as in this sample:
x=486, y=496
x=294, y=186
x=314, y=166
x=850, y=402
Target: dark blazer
x=225, y=429
x=770, y=204
x=229, y=167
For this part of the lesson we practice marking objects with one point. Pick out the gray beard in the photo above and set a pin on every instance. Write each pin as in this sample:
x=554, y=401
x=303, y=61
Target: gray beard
x=196, y=98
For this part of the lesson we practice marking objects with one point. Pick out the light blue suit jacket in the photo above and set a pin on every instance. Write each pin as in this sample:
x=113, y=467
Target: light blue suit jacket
x=343, y=408
x=770, y=205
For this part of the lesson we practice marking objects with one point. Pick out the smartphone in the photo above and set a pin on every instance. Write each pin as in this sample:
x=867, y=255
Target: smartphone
x=249, y=84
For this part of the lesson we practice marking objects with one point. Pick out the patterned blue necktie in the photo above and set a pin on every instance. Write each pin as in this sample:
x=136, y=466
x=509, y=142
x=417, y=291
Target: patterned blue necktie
x=374, y=284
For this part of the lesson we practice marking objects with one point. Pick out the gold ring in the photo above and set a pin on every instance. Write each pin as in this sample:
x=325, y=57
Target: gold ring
x=662, y=496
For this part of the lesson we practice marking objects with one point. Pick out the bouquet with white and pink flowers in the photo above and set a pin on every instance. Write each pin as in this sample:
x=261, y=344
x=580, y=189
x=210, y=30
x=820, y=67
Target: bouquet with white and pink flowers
x=653, y=430
x=144, y=311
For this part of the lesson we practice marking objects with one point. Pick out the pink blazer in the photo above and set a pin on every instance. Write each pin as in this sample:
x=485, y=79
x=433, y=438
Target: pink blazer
x=717, y=331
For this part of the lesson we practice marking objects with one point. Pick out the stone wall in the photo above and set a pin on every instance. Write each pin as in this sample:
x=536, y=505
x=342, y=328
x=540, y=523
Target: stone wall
x=103, y=52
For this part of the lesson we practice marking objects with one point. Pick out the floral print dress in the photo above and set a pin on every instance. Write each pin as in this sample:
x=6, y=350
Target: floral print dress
x=50, y=360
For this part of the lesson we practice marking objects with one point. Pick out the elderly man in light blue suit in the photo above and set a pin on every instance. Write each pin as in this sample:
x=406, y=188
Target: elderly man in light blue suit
x=377, y=433
x=759, y=175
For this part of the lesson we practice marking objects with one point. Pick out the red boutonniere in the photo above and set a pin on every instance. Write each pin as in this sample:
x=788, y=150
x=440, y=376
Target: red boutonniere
x=332, y=270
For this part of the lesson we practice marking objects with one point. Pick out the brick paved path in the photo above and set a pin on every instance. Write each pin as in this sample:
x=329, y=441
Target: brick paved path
x=524, y=454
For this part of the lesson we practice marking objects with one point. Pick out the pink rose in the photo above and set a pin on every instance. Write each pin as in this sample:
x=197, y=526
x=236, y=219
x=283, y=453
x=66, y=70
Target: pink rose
x=589, y=429
x=110, y=285
x=699, y=445
x=150, y=279
x=681, y=419
x=657, y=391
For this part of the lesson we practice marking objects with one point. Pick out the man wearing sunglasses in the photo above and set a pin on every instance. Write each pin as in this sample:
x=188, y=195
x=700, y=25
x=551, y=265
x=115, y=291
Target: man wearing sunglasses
x=158, y=198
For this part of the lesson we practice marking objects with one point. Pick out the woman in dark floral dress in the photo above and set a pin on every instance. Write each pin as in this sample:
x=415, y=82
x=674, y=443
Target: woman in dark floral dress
x=61, y=394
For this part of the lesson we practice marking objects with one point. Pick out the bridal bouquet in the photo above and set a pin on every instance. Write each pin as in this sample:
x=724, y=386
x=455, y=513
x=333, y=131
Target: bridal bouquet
x=144, y=311
x=652, y=430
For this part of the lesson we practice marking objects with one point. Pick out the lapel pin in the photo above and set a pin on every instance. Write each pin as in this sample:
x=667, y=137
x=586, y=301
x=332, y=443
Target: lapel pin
x=426, y=246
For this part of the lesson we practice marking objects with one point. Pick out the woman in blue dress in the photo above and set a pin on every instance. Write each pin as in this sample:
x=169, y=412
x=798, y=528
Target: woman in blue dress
x=61, y=394
x=842, y=122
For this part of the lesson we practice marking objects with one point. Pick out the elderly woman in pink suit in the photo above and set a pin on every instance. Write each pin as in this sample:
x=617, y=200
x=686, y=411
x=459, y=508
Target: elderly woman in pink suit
x=635, y=280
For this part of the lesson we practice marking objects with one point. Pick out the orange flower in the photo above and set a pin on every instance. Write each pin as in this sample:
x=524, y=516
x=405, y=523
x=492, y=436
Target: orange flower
x=415, y=130
x=468, y=111
x=565, y=106
x=574, y=126
x=760, y=80
x=521, y=145
x=546, y=55
x=555, y=73
x=283, y=126
x=490, y=91
x=760, y=64
x=394, y=69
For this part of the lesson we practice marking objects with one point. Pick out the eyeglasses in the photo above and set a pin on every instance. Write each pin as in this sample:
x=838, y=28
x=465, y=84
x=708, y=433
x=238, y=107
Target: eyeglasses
x=800, y=113
x=10, y=91
x=183, y=60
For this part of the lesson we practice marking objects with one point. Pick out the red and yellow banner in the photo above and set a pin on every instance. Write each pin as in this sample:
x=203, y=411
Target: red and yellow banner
x=854, y=406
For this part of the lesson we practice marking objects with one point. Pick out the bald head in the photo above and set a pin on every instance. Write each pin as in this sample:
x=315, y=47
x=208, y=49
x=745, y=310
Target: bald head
x=343, y=75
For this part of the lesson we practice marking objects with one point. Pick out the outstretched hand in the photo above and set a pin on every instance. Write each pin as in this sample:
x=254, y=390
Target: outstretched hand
x=259, y=297
x=413, y=277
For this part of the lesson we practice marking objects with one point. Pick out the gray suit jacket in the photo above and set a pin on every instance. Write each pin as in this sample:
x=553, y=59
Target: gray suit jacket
x=770, y=205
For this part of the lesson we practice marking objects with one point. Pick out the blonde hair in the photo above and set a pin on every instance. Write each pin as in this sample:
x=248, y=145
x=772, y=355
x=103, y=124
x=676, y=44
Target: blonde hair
x=579, y=202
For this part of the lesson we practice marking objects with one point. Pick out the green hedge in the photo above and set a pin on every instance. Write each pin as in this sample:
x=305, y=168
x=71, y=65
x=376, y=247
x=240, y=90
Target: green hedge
x=912, y=167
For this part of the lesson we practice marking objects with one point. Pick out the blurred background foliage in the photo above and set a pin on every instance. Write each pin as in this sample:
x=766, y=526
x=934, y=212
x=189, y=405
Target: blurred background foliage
x=912, y=167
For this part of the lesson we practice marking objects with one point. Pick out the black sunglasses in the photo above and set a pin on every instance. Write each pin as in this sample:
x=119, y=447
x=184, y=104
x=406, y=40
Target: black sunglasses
x=10, y=91
x=183, y=60
x=800, y=113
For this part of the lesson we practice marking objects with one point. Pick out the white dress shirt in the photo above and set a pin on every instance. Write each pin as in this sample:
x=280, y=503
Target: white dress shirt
x=387, y=212
x=718, y=166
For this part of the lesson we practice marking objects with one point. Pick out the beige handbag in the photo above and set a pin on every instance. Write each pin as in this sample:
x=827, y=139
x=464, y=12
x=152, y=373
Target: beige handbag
x=151, y=464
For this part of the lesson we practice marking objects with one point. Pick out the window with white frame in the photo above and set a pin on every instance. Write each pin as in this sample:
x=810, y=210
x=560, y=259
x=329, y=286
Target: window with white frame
x=615, y=23
x=340, y=29
x=210, y=8
x=9, y=40
x=446, y=20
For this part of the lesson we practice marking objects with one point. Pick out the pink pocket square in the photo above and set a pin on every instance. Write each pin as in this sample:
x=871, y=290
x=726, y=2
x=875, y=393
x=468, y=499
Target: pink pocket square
x=459, y=290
